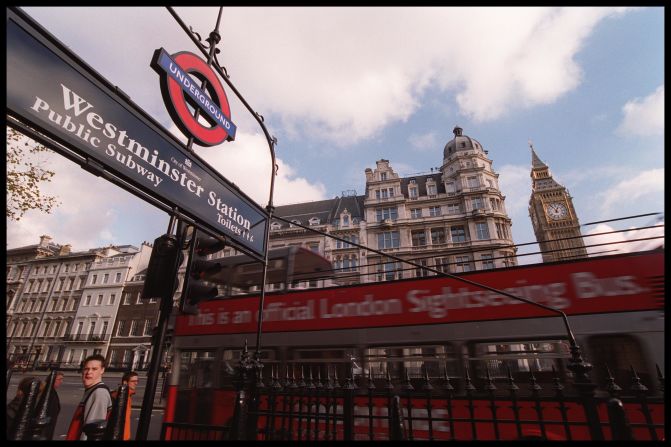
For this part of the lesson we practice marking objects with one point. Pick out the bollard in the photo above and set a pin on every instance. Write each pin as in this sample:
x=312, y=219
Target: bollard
x=117, y=419
x=21, y=429
x=95, y=430
x=42, y=418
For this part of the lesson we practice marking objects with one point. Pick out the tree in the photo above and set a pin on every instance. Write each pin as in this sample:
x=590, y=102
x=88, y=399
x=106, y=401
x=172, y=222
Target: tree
x=24, y=177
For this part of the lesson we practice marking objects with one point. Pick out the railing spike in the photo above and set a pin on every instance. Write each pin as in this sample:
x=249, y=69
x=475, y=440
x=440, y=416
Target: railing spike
x=490, y=383
x=636, y=384
x=612, y=387
x=535, y=387
x=469, y=385
x=660, y=378
x=512, y=386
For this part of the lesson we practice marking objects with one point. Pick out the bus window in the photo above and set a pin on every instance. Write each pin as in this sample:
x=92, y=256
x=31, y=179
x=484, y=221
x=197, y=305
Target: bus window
x=413, y=359
x=342, y=360
x=620, y=352
x=196, y=369
x=230, y=360
x=520, y=357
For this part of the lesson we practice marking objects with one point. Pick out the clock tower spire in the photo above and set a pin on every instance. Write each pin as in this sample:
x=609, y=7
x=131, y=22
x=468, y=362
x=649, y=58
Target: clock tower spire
x=553, y=216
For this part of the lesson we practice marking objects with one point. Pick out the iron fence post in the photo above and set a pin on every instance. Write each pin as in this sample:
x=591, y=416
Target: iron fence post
x=619, y=424
x=585, y=388
x=117, y=420
x=95, y=430
x=348, y=408
x=42, y=418
x=22, y=421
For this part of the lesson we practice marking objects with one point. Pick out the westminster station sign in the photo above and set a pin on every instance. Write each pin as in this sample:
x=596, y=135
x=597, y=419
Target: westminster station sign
x=52, y=90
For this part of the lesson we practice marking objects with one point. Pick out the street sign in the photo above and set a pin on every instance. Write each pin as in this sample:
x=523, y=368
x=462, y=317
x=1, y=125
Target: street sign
x=51, y=89
x=175, y=76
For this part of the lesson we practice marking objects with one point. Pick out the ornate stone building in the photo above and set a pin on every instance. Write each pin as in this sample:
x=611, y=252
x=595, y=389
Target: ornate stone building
x=553, y=216
x=452, y=219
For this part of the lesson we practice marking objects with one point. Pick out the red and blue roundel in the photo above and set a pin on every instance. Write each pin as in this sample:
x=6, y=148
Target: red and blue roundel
x=179, y=91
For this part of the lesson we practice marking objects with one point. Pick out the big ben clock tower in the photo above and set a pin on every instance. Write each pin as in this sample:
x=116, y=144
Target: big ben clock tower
x=552, y=215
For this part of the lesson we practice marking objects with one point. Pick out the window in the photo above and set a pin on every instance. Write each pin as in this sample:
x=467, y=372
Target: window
x=490, y=184
x=383, y=176
x=112, y=299
x=434, y=211
x=138, y=299
x=314, y=221
x=413, y=360
x=420, y=272
x=126, y=298
x=494, y=204
x=117, y=277
x=92, y=328
x=389, y=271
x=431, y=190
x=418, y=238
x=120, y=328
x=57, y=328
x=384, y=193
x=520, y=358
x=472, y=182
x=388, y=239
x=67, y=267
x=148, y=326
x=54, y=303
x=501, y=231
x=134, y=328
x=386, y=213
x=314, y=247
x=80, y=327
x=463, y=264
x=69, y=283
x=482, y=230
x=416, y=213
x=88, y=300
x=442, y=264
x=53, y=268
x=99, y=301
x=477, y=204
x=65, y=305
x=345, y=220
x=437, y=236
x=106, y=278
x=487, y=261
x=458, y=234
x=45, y=332
x=94, y=279
x=46, y=284
x=450, y=188
x=412, y=192
x=275, y=226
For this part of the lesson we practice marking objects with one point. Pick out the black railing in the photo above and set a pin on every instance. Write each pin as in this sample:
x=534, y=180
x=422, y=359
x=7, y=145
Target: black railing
x=313, y=404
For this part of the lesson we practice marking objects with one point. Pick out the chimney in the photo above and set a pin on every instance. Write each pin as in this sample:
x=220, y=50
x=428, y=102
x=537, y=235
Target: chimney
x=65, y=250
x=44, y=240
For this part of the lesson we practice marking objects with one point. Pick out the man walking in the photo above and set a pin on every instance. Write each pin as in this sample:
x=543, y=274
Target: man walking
x=96, y=402
x=131, y=379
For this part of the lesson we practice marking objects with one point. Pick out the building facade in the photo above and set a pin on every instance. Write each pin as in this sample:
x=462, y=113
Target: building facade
x=452, y=219
x=44, y=309
x=553, y=216
x=95, y=318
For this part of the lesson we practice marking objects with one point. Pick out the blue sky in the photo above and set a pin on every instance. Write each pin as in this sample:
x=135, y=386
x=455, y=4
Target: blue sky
x=343, y=87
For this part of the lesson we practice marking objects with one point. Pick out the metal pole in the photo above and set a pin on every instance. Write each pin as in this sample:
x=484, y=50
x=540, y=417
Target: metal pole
x=157, y=345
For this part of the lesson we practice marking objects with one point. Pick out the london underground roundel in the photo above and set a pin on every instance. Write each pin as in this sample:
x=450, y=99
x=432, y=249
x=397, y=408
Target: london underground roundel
x=180, y=90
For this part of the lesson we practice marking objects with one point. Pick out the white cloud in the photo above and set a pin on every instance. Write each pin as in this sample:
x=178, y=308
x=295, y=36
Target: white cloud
x=644, y=116
x=623, y=242
x=629, y=191
x=344, y=74
x=246, y=163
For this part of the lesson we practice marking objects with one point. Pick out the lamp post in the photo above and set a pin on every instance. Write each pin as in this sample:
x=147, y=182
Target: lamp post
x=211, y=53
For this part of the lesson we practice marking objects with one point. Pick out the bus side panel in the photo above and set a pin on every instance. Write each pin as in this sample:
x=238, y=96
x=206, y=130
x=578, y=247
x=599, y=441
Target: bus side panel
x=223, y=404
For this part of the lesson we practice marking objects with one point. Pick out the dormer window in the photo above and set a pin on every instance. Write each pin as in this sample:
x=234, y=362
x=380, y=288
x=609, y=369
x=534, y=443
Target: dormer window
x=275, y=226
x=314, y=221
x=295, y=221
x=383, y=176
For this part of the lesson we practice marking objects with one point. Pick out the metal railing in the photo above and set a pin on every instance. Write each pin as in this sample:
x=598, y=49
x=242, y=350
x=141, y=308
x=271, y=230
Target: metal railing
x=313, y=404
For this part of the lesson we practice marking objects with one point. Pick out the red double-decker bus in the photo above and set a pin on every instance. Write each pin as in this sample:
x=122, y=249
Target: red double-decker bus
x=430, y=327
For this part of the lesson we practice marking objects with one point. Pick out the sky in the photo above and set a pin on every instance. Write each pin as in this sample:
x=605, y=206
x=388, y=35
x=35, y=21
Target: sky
x=341, y=88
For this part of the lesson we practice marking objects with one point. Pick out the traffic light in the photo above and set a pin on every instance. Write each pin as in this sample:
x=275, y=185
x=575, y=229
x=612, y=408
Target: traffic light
x=195, y=289
x=161, y=279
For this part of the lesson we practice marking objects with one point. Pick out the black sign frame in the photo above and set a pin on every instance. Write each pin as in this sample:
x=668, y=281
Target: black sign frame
x=63, y=143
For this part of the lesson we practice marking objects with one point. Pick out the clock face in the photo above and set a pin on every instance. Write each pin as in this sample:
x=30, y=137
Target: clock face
x=557, y=211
